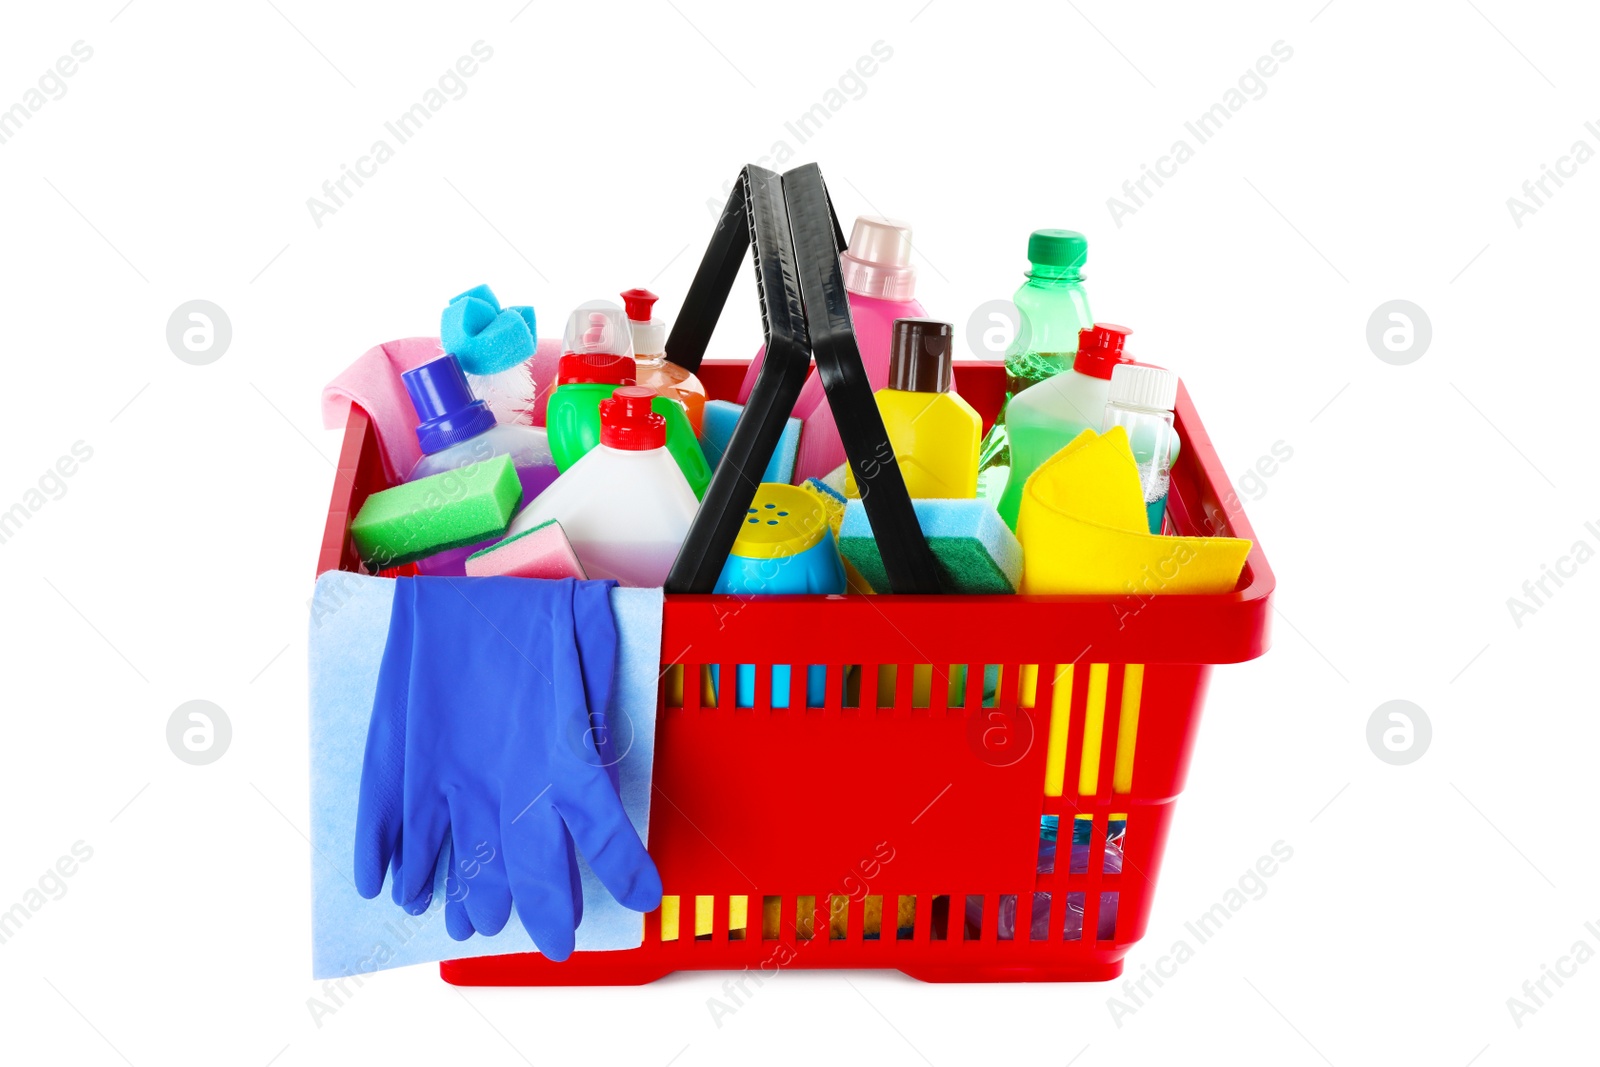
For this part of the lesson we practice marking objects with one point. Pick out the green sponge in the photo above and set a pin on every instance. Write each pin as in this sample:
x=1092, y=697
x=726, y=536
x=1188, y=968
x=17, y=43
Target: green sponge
x=437, y=513
x=975, y=550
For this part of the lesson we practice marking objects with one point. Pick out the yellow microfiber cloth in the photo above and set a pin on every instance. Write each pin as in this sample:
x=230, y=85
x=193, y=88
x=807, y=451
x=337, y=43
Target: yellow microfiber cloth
x=1083, y=530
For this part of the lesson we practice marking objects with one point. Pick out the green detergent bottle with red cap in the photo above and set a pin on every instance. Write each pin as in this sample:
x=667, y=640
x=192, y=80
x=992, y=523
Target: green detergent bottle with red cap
x=597, y=357
x=1044, y=418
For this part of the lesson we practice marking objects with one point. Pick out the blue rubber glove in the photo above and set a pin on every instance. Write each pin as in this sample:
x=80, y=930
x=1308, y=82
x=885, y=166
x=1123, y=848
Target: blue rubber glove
x=489, y=739
x=378, y=821
x=597, y=653
x=380, y=815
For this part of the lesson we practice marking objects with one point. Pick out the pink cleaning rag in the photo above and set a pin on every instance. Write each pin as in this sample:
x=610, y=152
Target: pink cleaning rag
x=373, y=382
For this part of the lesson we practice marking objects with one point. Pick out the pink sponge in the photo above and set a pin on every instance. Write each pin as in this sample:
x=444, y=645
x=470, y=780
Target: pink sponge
x=542, y=552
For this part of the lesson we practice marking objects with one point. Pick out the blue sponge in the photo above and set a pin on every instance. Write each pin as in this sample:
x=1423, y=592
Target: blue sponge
x=484, y=338
x=974, y=548
x=716, y=428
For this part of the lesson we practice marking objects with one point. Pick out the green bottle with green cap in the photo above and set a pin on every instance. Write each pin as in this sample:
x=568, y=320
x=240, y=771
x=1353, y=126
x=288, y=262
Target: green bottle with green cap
x=1054, y=308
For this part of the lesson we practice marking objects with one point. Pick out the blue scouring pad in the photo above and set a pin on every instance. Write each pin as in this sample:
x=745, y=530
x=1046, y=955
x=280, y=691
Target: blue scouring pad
x=716, y=428
x=485, y=338
x=975, y=550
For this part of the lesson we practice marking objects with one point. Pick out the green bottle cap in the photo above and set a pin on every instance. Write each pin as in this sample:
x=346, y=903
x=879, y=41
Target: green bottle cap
x=1059, y=249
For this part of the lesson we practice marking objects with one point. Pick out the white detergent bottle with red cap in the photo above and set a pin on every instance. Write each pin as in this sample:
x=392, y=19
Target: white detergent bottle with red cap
x=880, y=284
x=625, y=506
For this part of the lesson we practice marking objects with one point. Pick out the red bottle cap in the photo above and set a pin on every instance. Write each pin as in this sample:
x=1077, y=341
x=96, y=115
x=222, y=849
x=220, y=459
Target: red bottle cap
x=639, y=303
x=1100, y=349
x=585, y=367
x=627, y=422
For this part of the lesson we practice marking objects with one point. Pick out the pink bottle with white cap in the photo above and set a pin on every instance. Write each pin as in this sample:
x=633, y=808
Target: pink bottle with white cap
x=879, y=282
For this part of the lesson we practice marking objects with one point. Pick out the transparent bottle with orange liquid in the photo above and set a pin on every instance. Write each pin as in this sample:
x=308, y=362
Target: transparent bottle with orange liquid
x=655, y=372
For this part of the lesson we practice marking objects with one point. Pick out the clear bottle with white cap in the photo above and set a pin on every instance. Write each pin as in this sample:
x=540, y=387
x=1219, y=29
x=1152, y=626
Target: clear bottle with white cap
x=1141, y=402
x=880, y=284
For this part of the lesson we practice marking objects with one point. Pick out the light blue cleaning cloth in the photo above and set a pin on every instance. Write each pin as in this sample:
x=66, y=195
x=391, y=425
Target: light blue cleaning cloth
x=349, y=935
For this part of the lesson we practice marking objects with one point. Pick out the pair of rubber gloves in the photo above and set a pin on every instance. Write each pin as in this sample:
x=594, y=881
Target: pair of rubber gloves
x=489, y=742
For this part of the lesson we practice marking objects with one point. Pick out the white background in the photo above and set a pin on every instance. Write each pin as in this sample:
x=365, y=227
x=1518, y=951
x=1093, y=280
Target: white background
x=1418, y=499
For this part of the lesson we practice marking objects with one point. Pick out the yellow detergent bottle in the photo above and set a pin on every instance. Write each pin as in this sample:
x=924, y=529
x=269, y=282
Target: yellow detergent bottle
x=934, y=433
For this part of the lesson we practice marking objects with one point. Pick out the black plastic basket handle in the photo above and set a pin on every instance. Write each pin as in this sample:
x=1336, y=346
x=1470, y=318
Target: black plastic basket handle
x=818, y=241
x=797, y=240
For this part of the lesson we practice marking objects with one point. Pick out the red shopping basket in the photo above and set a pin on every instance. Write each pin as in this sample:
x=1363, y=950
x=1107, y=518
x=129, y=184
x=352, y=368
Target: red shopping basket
x=898, y=825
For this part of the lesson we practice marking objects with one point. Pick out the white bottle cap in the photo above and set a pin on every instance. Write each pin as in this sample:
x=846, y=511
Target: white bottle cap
x=649, y=338
x=1138, y=386
x=878, y=259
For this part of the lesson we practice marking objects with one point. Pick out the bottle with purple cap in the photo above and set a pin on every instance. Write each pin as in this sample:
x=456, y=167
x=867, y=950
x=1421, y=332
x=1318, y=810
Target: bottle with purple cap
x=456, y=429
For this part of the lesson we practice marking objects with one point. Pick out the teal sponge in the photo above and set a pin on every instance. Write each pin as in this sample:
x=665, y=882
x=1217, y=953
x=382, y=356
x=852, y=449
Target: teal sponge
x=482, y=336
x=975, y=550
x=437, y=513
